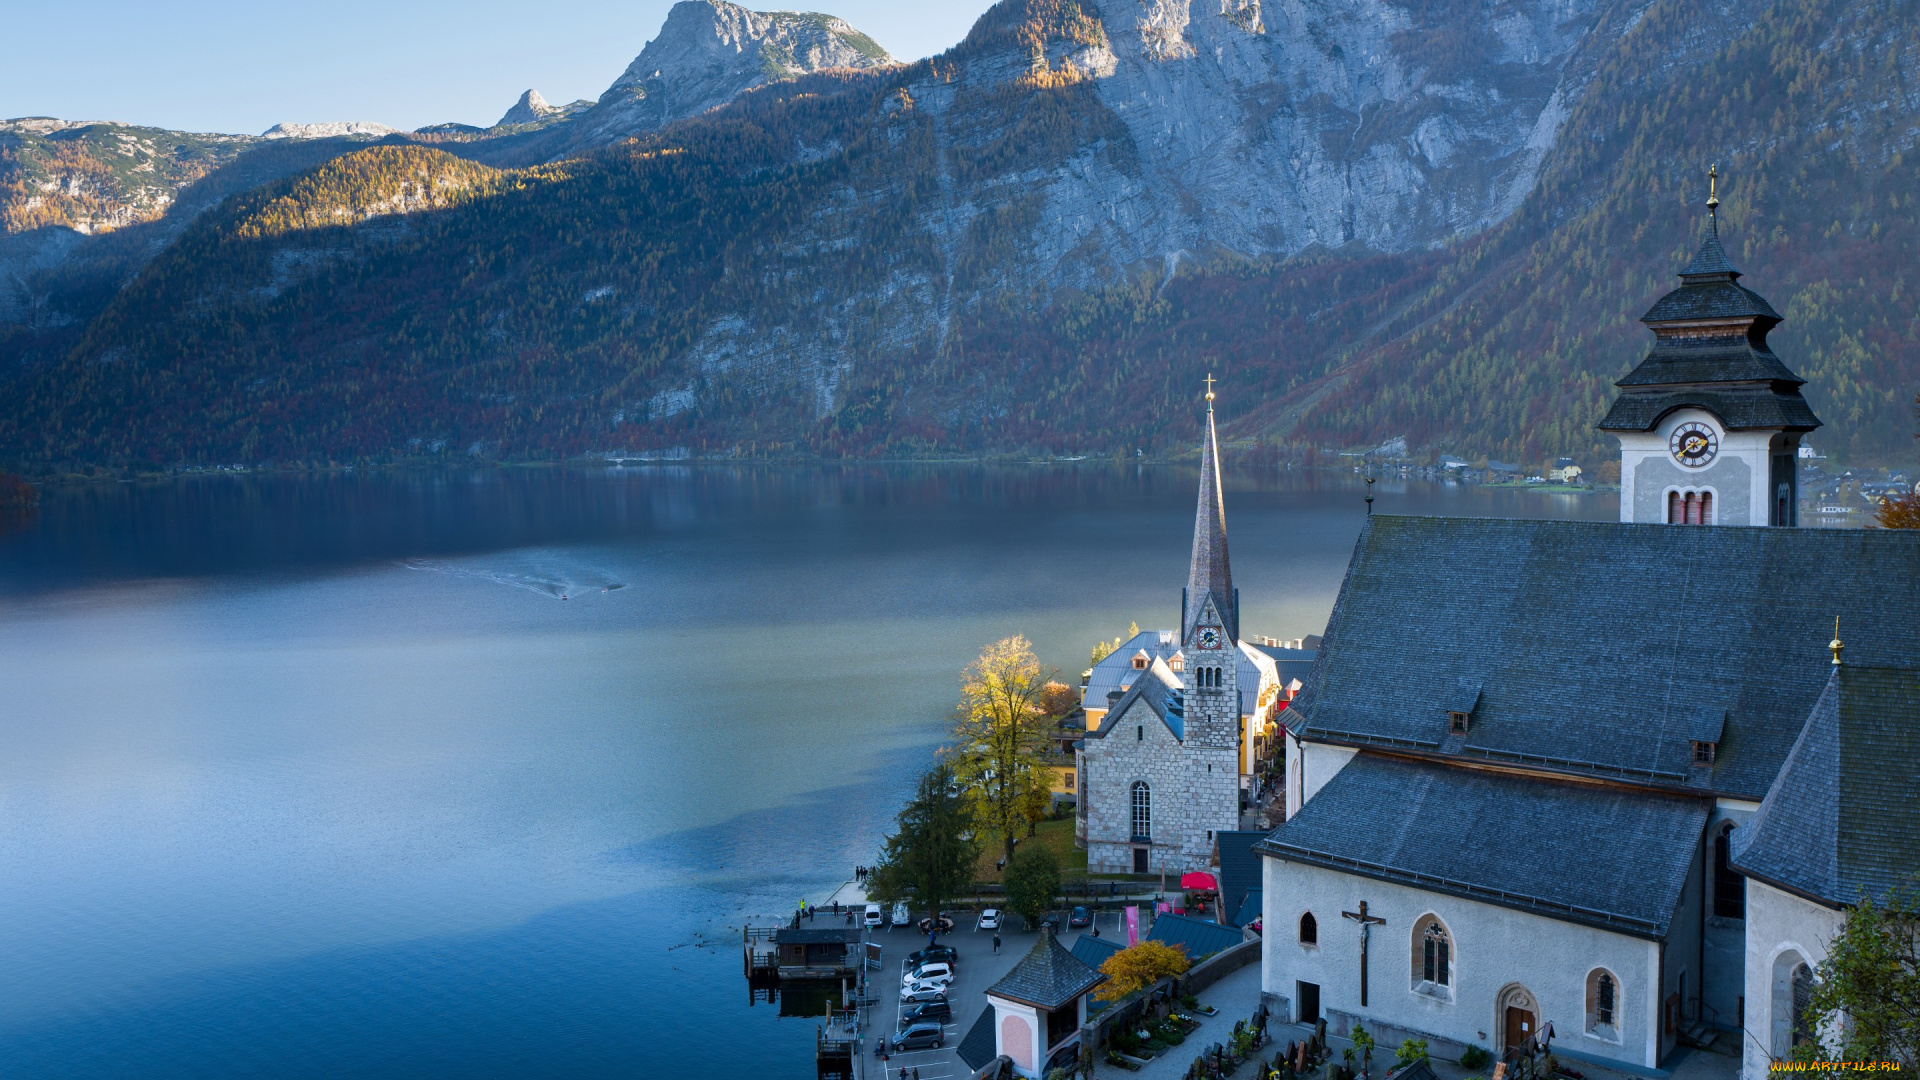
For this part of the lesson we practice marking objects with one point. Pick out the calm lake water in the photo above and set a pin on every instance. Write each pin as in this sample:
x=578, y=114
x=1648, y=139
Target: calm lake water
x=477, y=774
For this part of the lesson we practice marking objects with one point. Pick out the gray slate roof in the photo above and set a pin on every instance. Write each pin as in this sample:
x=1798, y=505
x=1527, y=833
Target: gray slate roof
x=1738, y=409
x=977, y=1048
x=1047, y=977
x=1838, y=823
x=1596, y=644
x=1210, y=574
x=1117, y=672
x=1199, y=937
x=1600, y=855
x=1167, y=702
x=1239, y=869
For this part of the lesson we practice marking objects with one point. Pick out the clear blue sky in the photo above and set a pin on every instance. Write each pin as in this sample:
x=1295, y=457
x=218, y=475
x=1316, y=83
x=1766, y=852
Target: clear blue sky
x=220, y=65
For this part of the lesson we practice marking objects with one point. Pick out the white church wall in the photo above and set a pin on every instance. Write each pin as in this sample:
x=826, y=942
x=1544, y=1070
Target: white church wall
x=1783, y=930
x=1495, y=950
x=1309, y=767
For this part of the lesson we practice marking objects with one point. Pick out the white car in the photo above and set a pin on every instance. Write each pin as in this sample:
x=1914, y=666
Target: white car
x=990, y=919
x=927, y=986
x=901, y=916
x=936, y=969
x=874, y=918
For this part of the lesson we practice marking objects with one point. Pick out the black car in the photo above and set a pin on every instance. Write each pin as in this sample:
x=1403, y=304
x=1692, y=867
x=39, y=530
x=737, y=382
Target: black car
x=1079, y=917
x=944, y=954
x=920, y=1035
x=934, y=1012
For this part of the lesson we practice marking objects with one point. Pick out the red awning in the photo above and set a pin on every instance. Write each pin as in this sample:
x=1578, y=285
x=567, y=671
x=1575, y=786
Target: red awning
x=1198, y=881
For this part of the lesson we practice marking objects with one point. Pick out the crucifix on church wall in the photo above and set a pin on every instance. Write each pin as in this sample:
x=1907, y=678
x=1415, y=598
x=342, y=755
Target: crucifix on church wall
x=1367, y=923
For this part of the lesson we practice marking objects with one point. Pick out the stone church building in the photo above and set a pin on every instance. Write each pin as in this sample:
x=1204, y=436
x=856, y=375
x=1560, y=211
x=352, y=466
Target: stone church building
x=1177, y=717
x=1611, y=778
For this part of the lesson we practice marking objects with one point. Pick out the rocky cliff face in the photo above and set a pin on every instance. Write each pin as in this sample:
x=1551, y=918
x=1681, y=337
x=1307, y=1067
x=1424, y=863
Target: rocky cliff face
x=533, y=109
x=711, y=51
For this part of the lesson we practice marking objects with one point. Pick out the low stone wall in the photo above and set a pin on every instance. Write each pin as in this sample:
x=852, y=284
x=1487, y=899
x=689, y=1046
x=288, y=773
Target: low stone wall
x=1221, y=964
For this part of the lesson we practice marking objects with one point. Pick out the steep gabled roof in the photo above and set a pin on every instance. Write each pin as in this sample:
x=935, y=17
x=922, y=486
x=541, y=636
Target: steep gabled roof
x=1596, y=643
x=1047, y=977
x=1160, y=690
x=1837, y=825
x=1598, y=855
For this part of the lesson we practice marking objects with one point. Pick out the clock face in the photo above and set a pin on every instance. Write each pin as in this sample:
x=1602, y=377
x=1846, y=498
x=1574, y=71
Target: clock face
x=1208, y=637
x=1693, y=445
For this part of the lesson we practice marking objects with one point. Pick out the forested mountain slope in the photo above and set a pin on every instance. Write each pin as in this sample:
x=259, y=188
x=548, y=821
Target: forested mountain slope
x=1435, y=219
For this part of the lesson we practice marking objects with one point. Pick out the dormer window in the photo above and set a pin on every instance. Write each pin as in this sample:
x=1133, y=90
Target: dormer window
x=1460, y=705
x=1141, y=660
x=1704, y=729
x=1178, y=661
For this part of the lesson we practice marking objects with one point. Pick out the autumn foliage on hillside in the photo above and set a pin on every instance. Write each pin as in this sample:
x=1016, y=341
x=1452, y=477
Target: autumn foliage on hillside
x=403, y=301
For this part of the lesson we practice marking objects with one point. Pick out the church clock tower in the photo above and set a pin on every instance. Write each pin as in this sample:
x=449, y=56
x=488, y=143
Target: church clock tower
x=1710, y=422
x=1209, y=645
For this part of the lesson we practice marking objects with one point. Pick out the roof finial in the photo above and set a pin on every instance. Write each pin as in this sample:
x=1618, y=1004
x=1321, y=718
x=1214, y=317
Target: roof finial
x=1209, y=391
x=1835, y=644
x=1713, y=197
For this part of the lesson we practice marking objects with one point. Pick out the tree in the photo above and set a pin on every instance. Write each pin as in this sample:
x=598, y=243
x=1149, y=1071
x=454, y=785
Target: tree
x=1057, y=699
x=1137, y=967
x=1899, y=512
x=1867, y=991
x=1033, y=881
x=930, y=856
x=1035, y=804
x=1001, y=734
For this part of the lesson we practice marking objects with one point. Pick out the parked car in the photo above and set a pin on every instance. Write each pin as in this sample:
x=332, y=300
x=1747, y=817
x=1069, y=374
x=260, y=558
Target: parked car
x=944, y=953
x=1080, y=916
x=874, y=918
x=990, y=919
x=901, y=916
x=922, y=997
x=944, y=925
x=920, y=986
x=938, y=1012
x=932, y=969
x=920, y=1035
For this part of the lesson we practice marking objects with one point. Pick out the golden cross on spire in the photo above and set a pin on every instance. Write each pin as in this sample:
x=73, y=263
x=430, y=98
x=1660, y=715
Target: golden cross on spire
x=1209, y=390
x=1835, y=643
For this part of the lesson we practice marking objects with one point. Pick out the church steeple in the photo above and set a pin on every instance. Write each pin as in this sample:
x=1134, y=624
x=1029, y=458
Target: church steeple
x=1209, y=575
x=1710, y=422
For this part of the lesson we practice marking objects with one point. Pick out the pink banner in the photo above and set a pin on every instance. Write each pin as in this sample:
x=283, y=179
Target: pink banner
x=1133, y=924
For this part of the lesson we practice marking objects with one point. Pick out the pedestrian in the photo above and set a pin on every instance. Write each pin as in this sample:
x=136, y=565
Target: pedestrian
x=1096, y=926
x=996, y=943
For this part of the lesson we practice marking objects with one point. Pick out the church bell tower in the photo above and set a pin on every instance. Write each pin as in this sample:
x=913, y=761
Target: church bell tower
x=1209, y=646
x=1710, y=422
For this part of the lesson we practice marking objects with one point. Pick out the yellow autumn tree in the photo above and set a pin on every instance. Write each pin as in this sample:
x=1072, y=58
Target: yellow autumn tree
x=1001, y=736
x=1137, y=967
x=1899, y=511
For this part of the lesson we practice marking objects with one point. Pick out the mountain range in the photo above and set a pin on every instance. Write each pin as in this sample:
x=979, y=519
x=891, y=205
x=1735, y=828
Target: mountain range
x=1433, y=220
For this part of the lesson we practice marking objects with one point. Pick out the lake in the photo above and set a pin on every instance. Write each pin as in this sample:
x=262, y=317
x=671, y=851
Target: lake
x=477, y=774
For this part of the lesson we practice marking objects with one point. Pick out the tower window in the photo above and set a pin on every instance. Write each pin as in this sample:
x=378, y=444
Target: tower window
x=1689, y=507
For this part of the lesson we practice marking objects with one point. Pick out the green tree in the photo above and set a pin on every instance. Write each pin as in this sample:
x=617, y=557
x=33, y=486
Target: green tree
x=930, y=856
x=1034, y=806
x=1001, y=735
x=1033, y=882
x=1867, y=992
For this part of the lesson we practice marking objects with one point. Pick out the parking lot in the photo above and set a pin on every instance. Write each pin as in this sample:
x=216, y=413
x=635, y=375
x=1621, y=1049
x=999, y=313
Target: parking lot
x=975, y=969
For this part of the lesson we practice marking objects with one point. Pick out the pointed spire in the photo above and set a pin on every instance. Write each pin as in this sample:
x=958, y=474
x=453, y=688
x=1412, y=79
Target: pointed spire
x=1711, y=262
x=1210, y=574
x=1835, y=644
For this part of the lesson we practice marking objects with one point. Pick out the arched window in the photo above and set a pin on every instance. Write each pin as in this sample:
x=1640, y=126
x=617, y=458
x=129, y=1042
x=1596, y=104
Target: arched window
x=1309, y=929
x=1689, y=507
x=1729, y=888
x=1603, y=1005
x=1142, y=810
x=1432, y=957
x=1802, y=1001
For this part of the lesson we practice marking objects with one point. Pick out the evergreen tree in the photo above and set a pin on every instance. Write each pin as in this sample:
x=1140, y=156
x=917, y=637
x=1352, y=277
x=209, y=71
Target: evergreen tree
x=930, y=856
x=1033, y=882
